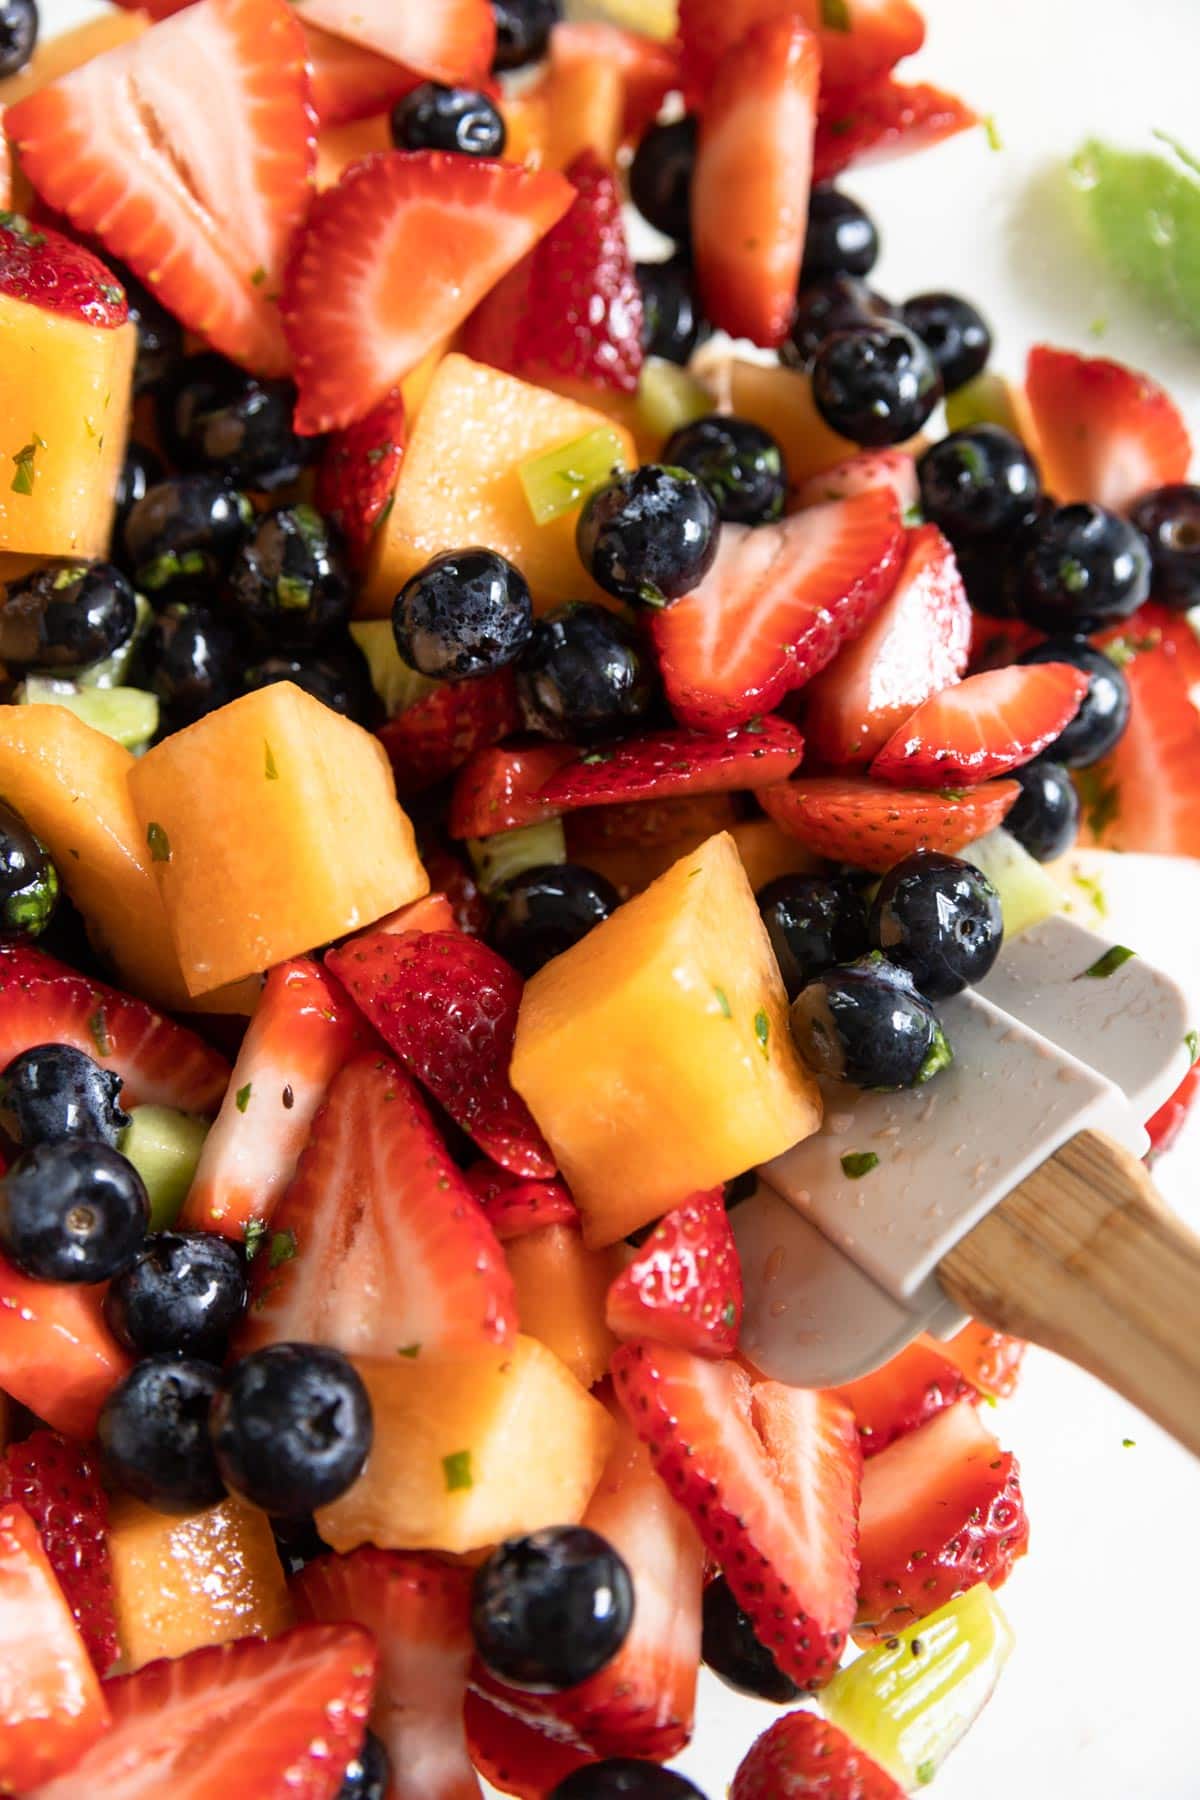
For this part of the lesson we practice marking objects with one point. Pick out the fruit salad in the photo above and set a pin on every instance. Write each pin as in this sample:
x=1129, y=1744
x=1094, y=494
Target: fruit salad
x=494, y=734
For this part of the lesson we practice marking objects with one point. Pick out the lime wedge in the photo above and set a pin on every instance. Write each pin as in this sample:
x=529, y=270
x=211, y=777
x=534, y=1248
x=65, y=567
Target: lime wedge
x=164, y=1147
x=128, y=714
x=1143, y=211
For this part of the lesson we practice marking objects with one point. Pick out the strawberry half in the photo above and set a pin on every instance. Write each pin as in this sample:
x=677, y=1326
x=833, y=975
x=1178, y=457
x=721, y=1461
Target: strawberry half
x=884, y=119
x=667, y=763
x=684, y=1286
x=349, y=82
x=514, y=1206
x=903, y=1394
x=446, y=1004
x=418, y=1610
x=850, y=819
x=392, y=259
x=275, y=1720
x=776, y=606
x=749, y=200
x=442, y=730
x=159, y=1062
x=1104, y=432
x=804, y=1757
x=501, y=789
x=452, y=42
x=769, y=1477
x=58, y=1484
x=916, y=645
x=941, y=1510
x=894, y=469
x=378, y=1243
x=985, y=726
x=57, y=1355
x=189, y=152
x=48, y=271
x=858, y=39
x=514, y=1756
x=358, y=471
x=989, y=1360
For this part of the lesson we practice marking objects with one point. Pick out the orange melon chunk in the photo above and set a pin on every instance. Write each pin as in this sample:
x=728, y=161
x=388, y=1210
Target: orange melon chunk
x=561, y=1289
x=781, y=401
x=57, y=56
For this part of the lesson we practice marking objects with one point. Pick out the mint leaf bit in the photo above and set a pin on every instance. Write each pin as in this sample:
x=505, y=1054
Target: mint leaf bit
x=272, y=772
x=723, y=1002
x=18, y=226
x=1108, y=964
x=457, y=1470
x=992, y=132
x=835, y=15
x=762, y=1031
x=1072, y=574
x=283, y=1247
x=730, y=1314
x=926, y=1772
x=258, y=276
x=159, y=842
x=1101, y=799
x=1192, y=1044
x=412, y=1351
x=242, y=1098
x=940, y=1056
x=255, y=1230
x=1129, y=1443
x=99, y=1033
x=857, y=1163
x=1090, y=885
x=22, y=481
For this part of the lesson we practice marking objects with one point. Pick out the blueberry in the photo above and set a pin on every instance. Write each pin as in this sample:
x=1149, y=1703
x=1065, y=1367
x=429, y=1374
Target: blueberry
x=733, y=1652
x=813, y=922
x=1169, y=520
x=74, y=1210
x=1044, y=819
x=298, y=1543
x=141, y=470
x=182, y=536
x=991, y=566
x=292, y=1427
x=980, y=481
x=333, y=679
x=53, y=1092
x=868, y=1024
x=543, y=911
x=953, y=332
x=1085, y=568
x=213, y=416
x=841, y=238
x=159, y=335
x=188, y=657
x=1102, y=718
x=584, y=675
x=466, y=613
x=650, y=535
x=523, y=30
x=875, y=386
x=842, y=303
x=551, y=1609
x=660, y=176
x=624, y=1778
x=739, y=463
x=183, y=1292
x=290, y=583
x=434, y=117
x=368, y=1774
x=18, y=34
x=154, y=1432
x=939, y=918
x=65, y=616
x=673, y=324
x=28, y=879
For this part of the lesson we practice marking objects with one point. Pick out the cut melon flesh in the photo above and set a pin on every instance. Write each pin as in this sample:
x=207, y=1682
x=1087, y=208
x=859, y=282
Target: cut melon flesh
x=1027, y=894
x=561, y=1290
x=57, y=56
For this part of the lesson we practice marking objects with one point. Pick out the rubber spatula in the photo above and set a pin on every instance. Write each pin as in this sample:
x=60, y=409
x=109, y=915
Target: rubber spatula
x=1008, y=1189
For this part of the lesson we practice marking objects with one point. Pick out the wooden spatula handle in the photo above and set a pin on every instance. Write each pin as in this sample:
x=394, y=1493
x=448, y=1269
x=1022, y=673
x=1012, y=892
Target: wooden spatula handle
x=1085, y=1258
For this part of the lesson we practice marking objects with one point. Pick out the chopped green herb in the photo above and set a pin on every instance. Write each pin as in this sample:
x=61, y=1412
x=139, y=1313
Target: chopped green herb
x=22, y=481
x=255, y=1230
x=1192, y=1044
x=835, y=15
x=242, y=1098
x=1090, y=885
x=591, y=758
x=292, y=591
x=283, y=1247
x=19, y=227
x=1122, y=650
x=971, y=458
x=730, y=1314
x=723, y=1002
x=384, y=515
x=1098, y=328
x=940, y=1056
x=157, y=573
x=1101, y=799
x=272, y=772
x=912, y=516
x=955, y=793
x=99, y=1033
x=113, y=294
x=412, y=1351
x=457, y=1470
x=857, y=1163
x=379, y=452
x=258, y=276
x=159, y=842
x=762, y=1031
x=1108, y=964
x=925, y=1773
x=1129, y=1443
x=992, y=132
x=1072, y=574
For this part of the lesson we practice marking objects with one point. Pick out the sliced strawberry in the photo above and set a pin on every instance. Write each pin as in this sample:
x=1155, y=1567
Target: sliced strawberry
x=916, y=645
x=645, y=824
x=439, y=732
x=48, y=271
x=677, y=762
x=753, y=171
x=514, y=1206
x=893, y=469
x=57, y=1355
x=514, y=1756
x=858, y=39
x=776, y=606
x=884, y=119
x=804, y=1757
x=189, y=152
x=989, y=1360
x=302, y=1031
x=58, y=1484
x=251, y=1720
x=941, y=1510
x=6, y=171
x=393, y=258
x=985, y=726
x=349, y=82
x=418, y=1610
x=1167, y=1123
x=160, y=1063
x=649, y=69
x=684, y=1286
x=850, y=819
x=378, y=1244
x=1105, y=433
x=447, y=1005
x=770, y=1478
x=357, y=474
x=456, y=880
x=432, y=912
x=500, y=789
x=453, y=41
x=903, y=1394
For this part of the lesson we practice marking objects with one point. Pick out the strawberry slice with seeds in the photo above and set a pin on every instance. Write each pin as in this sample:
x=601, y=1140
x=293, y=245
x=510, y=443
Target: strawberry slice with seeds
x=57, y=1355
x=769, y=1476
x=514, y=1206
x=776, y=606
x=1104, y=432
x=47, y=270
x=677, y=762
x=916, y=645
x=453, y=42
x=894, y=469
x=903, y=1394
x=189, y=152
x=806, y=1758
x=498, y=790
x=443, y=729
x=859, y=39
x=378, y=1242
x=58, y=1484
x=985, y=726
x=358, y=471
x=514, y=1756
x=851, y=819
x=883, y=119
x=393, y=258
x=989, y=1360
x=446, y=1004
x=684, y=1286
x=645, y=824
x=348, y=82
x=432, y=912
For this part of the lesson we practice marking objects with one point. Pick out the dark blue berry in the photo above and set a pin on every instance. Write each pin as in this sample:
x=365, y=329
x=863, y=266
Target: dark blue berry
x=65, y=616
x=465, y=614
x=523, y=30
x=142, y=469
x=584, y=675
x=18, y=34
x=953, y=332
x=181, y=538
x=544, y=910
x=673, y=323
x=739, y=463
x=183, y=1292
x=551, y=1609
x=650, y=535
x=434, y=117
x=660, y=176
x=154, y=1432
x=159, y=335
x=214, y=416
x=298, y=1542
x=1104, y=714
x=369, y=1774
x=188, y=657
x=290, y=582
x=292, y=1427
x=841, y=238
x=875, y=386
x=28, y=879
x=992, y=566
x=332, y=678
x=1044, y=818
x=732, y=1651
x=1085, y=567
x=841, y=303
x=54, y=1091
x=74, y=1210
x=1169, y=520
x=867, y=1024
x=939, y=918
x=623, y=1778
x=978, y=482
x=813, y=922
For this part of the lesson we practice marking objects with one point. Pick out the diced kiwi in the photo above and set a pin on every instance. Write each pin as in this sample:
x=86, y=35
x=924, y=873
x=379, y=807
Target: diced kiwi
x=669, y=397
x=987, y=400
x=164, y=1147
x=559, y=479
x=1027, y=893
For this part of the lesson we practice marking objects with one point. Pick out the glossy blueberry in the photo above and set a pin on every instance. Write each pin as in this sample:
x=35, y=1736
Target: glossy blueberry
x=434, y=117
x=673, y=324
x=74, y=1210
x=292, y=1427
x=551, y=1609
x=1085, y=567
x=650, y=535
x=154, y=1432
x=660, y=176
x=733, y=1652
x=584, y=675
x=1102, y=718
x=840, y=303
x=213, y=416
x=290, y=582
x=182, y=536
x=333, y=678
x=877, y=386
x=65, y=616
x=992, y=566
x=369, y=1774
x=739, y=463
x=841, y=238
x=939, y=918
x=813, y=922
x=159, y=335
x=18, y=34
x=623, y=1778
x=1169, y=520
x=466, y=613
x=543, y=911
x=523, y=30
x=54, y=1091
x=980, y=481
x=189, y=658
x=867, y=1024
x=298, y=1542
x=183, y=1292
x=953, y=332
x=1044, y=819
x=142, y=469
x=28, y=879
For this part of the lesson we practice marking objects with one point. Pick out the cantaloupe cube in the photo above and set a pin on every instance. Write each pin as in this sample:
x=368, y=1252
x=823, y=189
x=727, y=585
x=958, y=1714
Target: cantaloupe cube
x=585, y=101
x=781, y=401
x=768, y=852
x=183, y=1581
x=561, y=1290
x=471, y=1449
x=340, y=145
x=655, y=1054
x=459, y=484
x=66, y=50
x=273, y=825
